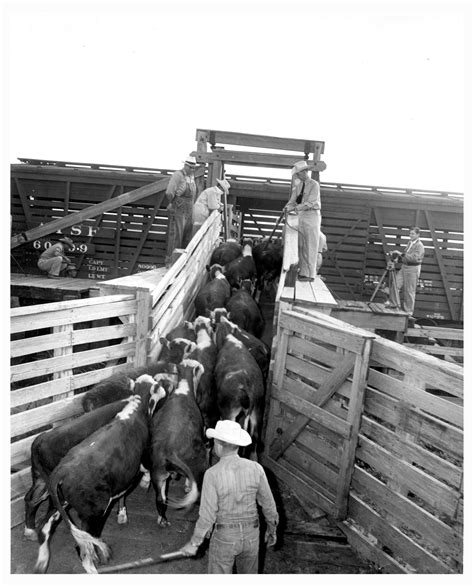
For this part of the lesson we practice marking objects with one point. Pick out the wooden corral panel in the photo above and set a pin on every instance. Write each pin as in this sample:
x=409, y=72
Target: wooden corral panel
x=380, y=449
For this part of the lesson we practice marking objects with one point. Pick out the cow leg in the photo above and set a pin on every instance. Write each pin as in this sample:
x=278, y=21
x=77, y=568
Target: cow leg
x=51, y=520
x=122, y=517
x=33, y=499
x=160, y=485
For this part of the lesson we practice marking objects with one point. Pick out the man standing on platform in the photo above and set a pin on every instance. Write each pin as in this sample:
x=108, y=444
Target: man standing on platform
x=411, y=259
x=305, y=201
x=180, y=192
x=208, y=201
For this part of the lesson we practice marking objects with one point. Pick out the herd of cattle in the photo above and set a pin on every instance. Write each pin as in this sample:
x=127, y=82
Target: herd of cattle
x=148, y=424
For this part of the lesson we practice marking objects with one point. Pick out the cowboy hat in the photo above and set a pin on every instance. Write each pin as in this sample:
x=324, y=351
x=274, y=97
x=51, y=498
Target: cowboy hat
x=299, y=166
x=224, y=184
x=66, y=240
x=229, y=431
x=190, y=161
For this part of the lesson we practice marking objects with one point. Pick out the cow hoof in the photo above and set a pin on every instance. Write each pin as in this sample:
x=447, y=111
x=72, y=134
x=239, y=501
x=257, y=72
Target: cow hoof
x=162, y=522
x=30, y=534
x=122, y=516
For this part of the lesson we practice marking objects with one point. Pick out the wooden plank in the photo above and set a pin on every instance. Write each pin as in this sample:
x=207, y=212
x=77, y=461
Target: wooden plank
x=37, y=344
x=72, y=361
x=49, y=319
x=436, y=332
x=423, y=427
x=435, y=372
x=36, y=418
x=20, y=451
x=67, y=305
x=314, y=329
x=370, y=551
x=261, y=141
x=17, y=512
x=413, y=453
x=142, y=320
x=20, y=482
x=434, y=493
x=299, y=482
x=401, y=511
x=65, y=351
x=317, y=414
x=327, y=389
x=354, y=418
x=304, y=461
x=403, y=547
x=436, y=349
x=419, y=398
x=254, y=159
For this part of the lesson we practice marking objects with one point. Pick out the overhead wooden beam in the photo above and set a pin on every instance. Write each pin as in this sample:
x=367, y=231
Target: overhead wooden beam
x=252, y=159
x=92, y=211
x=261, y=141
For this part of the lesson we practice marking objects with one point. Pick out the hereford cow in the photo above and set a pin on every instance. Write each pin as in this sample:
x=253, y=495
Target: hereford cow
x=241, y=268
x=183, y=330
x=226, y=252
x=175, y=350
x=206, y=354
x=177, y=441
x=95, y=473
x=240, y=387
x=268, y=256
x=213, y=294
x=257, y=348
x=244, y=310
x=50, y=447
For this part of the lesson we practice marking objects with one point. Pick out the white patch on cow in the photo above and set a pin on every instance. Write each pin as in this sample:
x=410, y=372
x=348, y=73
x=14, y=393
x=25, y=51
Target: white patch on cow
x=130, y=408
x=145, y=378
x=231, y=338
x=131, y=384
x=183, y=388
x=92, y=443
x=203, y=339
x=219, y=275
x=146, y=478
x=232, y=373
x=122, y=517
x=247, y=251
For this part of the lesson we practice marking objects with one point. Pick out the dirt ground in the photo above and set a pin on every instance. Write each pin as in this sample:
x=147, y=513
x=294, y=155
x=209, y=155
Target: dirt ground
x=303, y=546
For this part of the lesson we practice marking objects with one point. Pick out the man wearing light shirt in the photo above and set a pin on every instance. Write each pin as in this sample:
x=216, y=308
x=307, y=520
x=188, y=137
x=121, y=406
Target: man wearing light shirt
x=409, y=274
x=208, y=201
x=230, y=492
x=305, y=200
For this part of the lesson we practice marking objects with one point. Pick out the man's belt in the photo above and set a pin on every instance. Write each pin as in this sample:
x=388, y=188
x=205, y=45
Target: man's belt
x=251, y=524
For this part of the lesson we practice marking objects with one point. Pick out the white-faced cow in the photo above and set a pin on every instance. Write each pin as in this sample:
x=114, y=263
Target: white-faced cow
x=240, y=387
x=241, y=268
x=94, y=474
x=177, y=441
x=213, y=294
x=50, y=447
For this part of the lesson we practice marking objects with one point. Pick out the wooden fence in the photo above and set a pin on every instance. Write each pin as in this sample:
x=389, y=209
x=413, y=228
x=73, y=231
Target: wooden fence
x=371, y=433
x=60, y=349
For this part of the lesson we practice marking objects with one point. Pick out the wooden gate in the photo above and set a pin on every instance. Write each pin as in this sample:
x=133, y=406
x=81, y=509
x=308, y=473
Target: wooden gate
x=315, y=404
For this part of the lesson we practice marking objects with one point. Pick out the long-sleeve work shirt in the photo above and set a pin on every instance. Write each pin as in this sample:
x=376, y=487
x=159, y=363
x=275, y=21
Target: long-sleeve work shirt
x=178, y=183
x=230, y=492
x=311, y=198
x=414, y=253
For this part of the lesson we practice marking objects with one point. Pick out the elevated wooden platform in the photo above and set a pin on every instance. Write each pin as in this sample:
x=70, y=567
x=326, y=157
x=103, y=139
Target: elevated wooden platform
x=370, y=316
x=43, y=289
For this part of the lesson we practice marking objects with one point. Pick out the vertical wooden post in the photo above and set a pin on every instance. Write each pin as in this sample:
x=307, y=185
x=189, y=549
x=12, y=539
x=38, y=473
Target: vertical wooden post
x=142, y=320
x=354, y=418
x=275, y=379
x=201, y=139
x=63, y=352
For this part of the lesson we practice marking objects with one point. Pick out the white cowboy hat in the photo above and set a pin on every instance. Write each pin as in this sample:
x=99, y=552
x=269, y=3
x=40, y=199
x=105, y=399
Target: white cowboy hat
x=231, y=432
x=224, y=184
x=190, y=161
x=299, y=166
x=66, y=240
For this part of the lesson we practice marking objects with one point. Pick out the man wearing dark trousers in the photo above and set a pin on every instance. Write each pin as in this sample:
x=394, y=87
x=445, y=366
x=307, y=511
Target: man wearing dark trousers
x=230, y=493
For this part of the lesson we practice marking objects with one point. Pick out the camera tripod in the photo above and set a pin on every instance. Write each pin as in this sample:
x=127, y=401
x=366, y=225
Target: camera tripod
x=392, y=284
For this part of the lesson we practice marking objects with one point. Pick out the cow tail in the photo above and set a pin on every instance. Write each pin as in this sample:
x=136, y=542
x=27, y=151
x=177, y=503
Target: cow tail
x=87, y=543
x=193, y=494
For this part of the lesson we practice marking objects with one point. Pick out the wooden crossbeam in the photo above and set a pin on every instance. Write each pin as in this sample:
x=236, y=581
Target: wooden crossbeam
x=325, y=392
x=93, y=211
x=260, y=141
x=253, y=159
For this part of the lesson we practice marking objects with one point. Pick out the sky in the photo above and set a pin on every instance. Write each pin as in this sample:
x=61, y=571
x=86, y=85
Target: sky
x=386, y=86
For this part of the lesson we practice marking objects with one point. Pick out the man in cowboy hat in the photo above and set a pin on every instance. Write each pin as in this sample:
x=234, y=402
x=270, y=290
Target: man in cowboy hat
x=305, y=201
x=208, y=201
x=230, y=492
x=54, y=261
x=180, y=192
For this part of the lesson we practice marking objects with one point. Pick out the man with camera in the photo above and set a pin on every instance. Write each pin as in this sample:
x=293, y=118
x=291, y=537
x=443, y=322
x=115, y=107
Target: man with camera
x=411, y=259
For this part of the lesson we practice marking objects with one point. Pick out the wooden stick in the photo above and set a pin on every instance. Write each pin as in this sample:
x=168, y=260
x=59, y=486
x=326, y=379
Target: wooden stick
x=143, y=562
